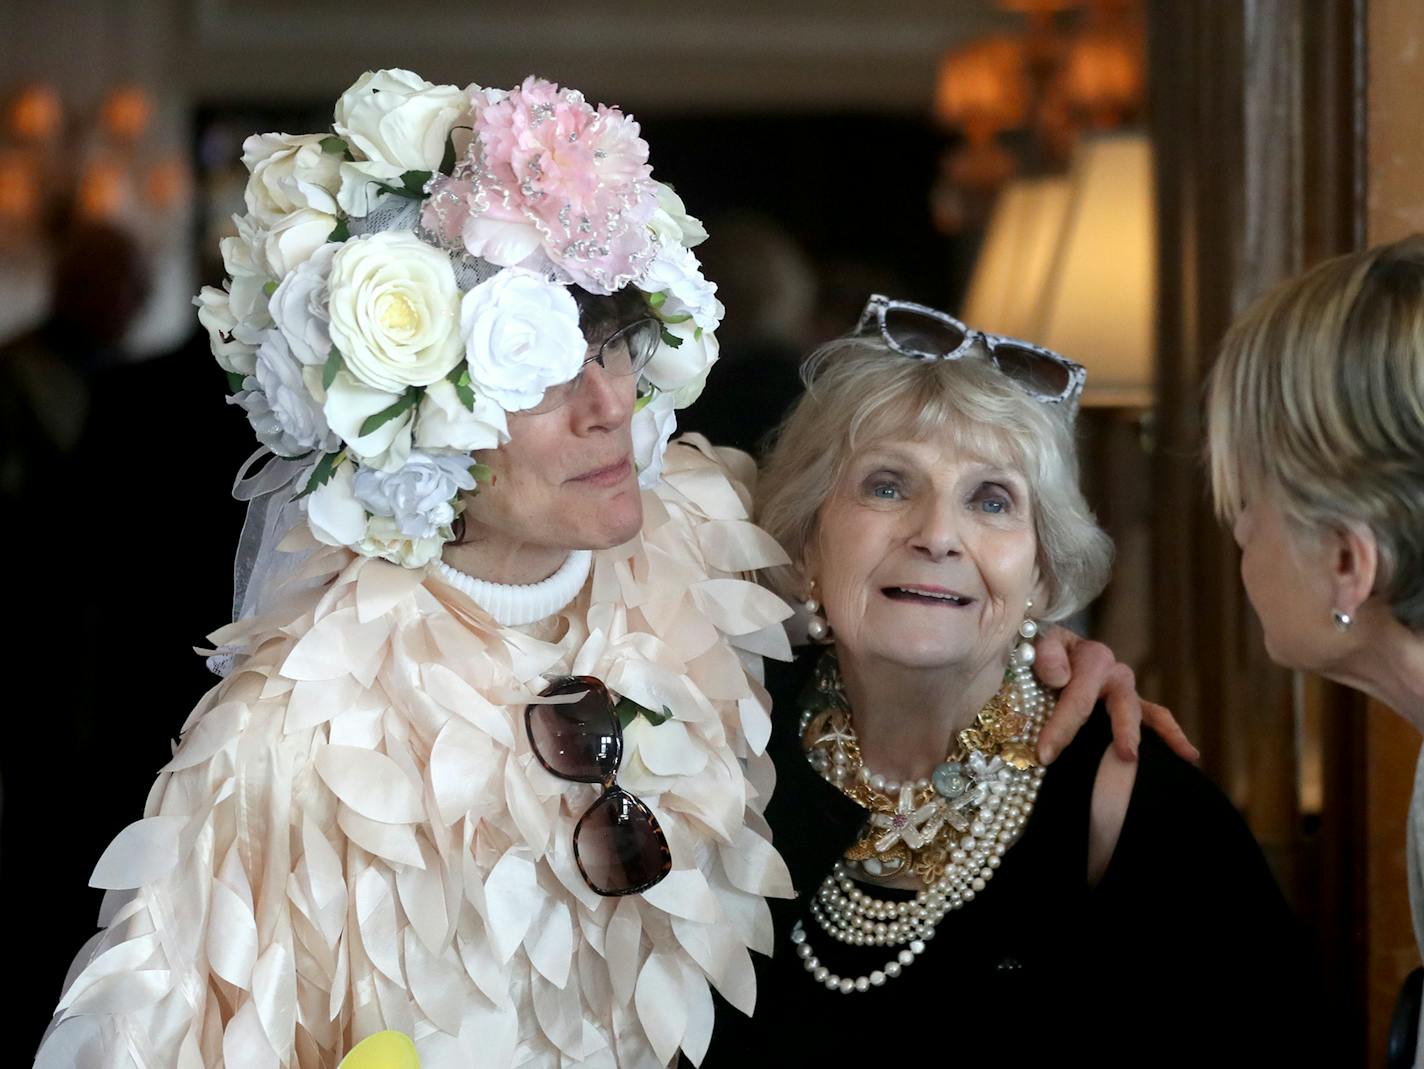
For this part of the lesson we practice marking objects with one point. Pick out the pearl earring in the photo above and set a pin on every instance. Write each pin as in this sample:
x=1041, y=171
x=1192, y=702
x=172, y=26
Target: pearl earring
x=1343, y=620
x=1023, y=652
x=817, y=627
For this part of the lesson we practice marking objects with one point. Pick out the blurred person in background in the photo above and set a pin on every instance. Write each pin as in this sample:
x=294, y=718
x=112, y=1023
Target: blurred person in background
x=1316, y=442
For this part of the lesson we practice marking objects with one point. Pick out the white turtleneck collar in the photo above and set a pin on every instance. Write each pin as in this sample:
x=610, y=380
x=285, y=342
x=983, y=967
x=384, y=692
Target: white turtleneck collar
x=517, y=604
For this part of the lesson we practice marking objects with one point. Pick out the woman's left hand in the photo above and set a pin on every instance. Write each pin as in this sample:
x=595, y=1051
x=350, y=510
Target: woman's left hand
x=1085, y=671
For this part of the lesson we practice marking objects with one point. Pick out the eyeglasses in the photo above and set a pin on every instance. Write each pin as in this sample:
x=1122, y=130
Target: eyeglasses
x=618, y=846
x=625, y=352
x=929, y=334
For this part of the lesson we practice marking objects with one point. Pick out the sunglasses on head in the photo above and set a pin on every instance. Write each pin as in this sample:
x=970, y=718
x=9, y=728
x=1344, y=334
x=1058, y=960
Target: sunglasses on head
x=929, y=334
x=618, y=846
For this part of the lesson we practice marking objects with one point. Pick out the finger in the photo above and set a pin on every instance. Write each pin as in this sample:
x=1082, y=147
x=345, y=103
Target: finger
x=1090, y=666
x=1160, y=719
x=1051, y=662
x=1124, y=710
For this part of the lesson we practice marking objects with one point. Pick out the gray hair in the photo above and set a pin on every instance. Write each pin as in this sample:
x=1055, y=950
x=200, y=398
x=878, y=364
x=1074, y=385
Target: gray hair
x=1317, y=400
x=859, y=390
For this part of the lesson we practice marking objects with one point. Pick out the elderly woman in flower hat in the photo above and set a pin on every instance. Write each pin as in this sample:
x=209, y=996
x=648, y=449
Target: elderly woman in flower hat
x=487, y=764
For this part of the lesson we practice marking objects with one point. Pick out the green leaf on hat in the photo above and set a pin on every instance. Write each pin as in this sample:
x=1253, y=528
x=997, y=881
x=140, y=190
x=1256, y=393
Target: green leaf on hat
x=234, y=381
x=333, y=364
x=334, y=145
x=460, y=378
x=657, y=300
x=403, y=404
x=669, y=338
x=341, y=231
x=269, y=287
x=322, y=473
x=483, y=473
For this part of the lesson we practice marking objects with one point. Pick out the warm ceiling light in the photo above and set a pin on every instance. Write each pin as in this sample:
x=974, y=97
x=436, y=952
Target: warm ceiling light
x=102, y=191
x=166, y=185
x=982, y=89
x=36, y=114
x=19, y=189
x=1102, y=76
x=126, y=113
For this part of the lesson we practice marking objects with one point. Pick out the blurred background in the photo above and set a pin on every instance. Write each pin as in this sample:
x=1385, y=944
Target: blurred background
x=1112, y=178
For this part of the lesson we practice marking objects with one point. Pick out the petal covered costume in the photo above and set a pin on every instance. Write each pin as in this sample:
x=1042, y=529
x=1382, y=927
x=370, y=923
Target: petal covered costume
x=353, y=834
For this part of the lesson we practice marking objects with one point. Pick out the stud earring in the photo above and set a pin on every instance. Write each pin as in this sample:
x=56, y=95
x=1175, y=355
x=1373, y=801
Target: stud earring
x=817, y=627
x=1343, y=620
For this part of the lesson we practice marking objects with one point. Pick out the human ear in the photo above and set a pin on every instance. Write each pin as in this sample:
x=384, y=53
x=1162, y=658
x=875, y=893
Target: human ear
x=1353, y=559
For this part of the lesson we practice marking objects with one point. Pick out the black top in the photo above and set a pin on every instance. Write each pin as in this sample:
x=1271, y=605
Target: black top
x=1185, y=951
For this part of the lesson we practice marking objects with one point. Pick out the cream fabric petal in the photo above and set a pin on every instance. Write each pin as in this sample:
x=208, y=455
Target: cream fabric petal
x=709, y=491
x=438, y=985
x=550, y=942
x=274, y=993
x=767, y=642
x=422, y=897
x=217, y=728
x=133, y=954
x=466, y=772
x=493, y=1033
x=145, y=851
x=512, y=896
x=478, y=956
x=463, y=700
x=738, y=607
x=684, y=893
x=232, y=936
x=622, y=947
x=739, y=546
x=314, y=702
x=524, y=805
x=394, y=842
x=753, y=865
x=698, y=999
x=376, y=921
x=381, y=587
x=667, y=749
x=559, y=1015
x=659, y=1000
x=245, y=1044
x=370, y=783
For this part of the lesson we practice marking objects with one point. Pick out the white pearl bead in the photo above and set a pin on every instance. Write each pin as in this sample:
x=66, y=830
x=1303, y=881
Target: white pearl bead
x=804, y=951
x=892, y=969
x=905, y=957
x=817, y=628
x=917, y=946
x=846, y=986
x=877, y=782
x=820, y=973
x=862, y=983
x=877, y=979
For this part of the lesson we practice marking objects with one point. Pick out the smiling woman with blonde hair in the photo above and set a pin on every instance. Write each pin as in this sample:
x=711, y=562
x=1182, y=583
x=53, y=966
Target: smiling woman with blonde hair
x=951, y=889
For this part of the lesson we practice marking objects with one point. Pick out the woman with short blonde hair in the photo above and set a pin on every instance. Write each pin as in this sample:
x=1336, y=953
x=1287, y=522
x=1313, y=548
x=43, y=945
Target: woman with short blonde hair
x=1316, y=440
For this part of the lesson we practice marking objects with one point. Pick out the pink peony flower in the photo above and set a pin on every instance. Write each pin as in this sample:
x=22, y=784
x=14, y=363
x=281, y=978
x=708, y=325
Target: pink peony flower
x=542, y=157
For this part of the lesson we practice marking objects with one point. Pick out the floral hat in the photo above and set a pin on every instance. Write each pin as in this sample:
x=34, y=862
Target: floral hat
x=401, y=283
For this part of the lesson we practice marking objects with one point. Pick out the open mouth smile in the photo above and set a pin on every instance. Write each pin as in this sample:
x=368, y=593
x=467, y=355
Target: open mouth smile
x=926, y=595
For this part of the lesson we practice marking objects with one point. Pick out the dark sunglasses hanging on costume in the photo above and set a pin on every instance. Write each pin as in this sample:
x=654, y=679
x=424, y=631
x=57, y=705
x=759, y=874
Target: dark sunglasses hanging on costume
x=618, y=846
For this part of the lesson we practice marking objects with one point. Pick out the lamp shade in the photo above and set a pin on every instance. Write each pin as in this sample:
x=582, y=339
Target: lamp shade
x=1019, y=245
x=1098, y=304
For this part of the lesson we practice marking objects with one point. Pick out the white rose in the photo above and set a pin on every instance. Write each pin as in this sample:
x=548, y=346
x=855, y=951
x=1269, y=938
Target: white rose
x=291, y=240
x=419, y=495
x=216, y=316
x=443, y=422
x=298, y=307
x=283, y=412
x=363, y=184
x=384, y=539
x=333, y=513
x=396, y=117
x=676, y=272
x=674, y=367
x=653, y=425
x=670, y=222
x=393, y=303
x=288, y=174
x=521, y=337
x=348, y=404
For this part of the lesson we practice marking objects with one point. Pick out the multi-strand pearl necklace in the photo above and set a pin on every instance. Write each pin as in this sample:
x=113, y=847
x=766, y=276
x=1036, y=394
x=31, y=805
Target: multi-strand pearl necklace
x=1006, y=796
